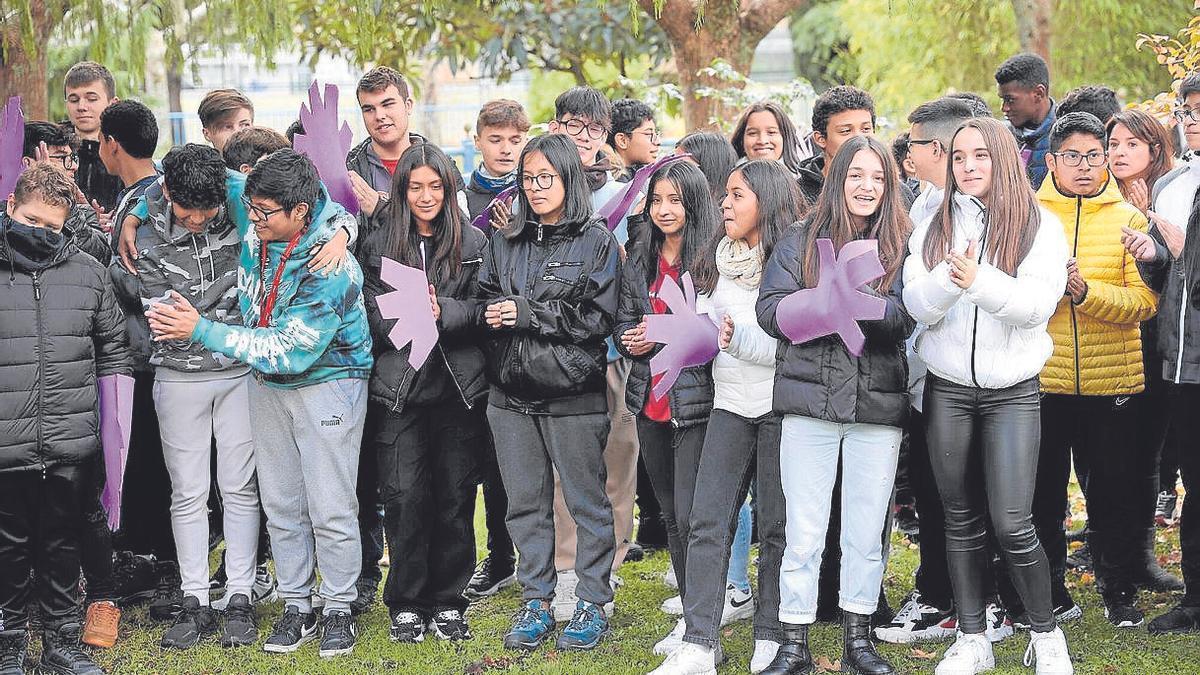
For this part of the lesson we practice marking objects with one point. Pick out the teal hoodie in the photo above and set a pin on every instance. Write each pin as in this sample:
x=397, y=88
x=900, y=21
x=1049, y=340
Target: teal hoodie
x=318, y=327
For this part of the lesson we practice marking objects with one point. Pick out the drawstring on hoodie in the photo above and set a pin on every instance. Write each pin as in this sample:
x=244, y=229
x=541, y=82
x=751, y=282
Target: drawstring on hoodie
x=200, y=267
x=12, y=269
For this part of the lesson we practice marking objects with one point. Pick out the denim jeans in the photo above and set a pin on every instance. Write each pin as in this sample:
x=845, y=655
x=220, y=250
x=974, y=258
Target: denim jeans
x=739, y=552
x=809, y=453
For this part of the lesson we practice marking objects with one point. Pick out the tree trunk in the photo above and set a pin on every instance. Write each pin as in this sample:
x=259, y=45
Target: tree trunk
x=175, y=100
x=1033, y=25
x=23, y=73
x=728, y=30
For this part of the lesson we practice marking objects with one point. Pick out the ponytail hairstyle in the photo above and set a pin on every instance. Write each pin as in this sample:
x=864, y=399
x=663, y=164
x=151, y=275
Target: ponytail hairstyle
x=1148, y=130
x=778, y=200
x=1011, y=211
x=831, y=218
x=403, y=239
x=790, y=138
x=701, y=218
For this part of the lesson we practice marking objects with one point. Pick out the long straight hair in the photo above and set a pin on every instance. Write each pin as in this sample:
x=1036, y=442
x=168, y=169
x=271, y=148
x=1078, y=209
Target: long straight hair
x=778, y=196
x=889, y=225
x=1146, y=129
x=787, y=131
x=562, y=156
x=700, y=217
x=1011, y=215
x=403, y=239
x=714, y=154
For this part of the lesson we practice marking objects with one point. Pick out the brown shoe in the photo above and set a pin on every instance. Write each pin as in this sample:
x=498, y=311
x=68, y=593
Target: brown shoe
x=100, y=627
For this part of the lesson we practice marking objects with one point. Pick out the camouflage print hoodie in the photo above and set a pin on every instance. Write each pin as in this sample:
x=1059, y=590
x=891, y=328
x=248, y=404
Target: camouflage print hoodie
x=202, y=267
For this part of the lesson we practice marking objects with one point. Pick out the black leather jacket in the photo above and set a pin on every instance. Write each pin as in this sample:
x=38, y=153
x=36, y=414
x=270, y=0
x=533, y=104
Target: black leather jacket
x=459, y=338
x=564, y=281
x=691, y=397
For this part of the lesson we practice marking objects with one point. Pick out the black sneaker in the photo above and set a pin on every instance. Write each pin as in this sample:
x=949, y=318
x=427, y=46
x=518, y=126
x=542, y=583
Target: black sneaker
x=239, y=629
x=338, y=634
x=1081, y=559
x=1179, y=619
x=1122, y=615
x=368, y=588
x=134, y=578
x=192, y=623
x=489, y=578
x=450, y=625
x=904, y=518
x=407, y=626
x=1068, y=611
x=291, y=630
x=634, y=552
x=62, y=653
x=168, y=598
x=917, y=621
x=13, y=645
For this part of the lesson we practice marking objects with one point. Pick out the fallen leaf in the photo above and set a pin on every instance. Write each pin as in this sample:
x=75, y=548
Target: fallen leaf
x=1087, y=578
x=826, y=666
x=922, y=654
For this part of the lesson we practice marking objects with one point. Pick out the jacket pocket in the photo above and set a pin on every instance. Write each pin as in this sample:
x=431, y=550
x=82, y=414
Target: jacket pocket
x=887, y=372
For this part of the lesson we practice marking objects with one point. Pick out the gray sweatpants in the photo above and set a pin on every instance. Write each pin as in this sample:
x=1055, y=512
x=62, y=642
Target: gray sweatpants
x=306, y=445
x=190, y=414
x=529, y=448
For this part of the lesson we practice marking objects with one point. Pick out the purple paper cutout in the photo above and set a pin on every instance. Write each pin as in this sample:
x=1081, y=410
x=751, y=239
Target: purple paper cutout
x=116, y=418
x=836, y=305
x=409, y=305
x=618, y=206
x=12, y=143
x=326, y=144
x=484, y=220
x=689, y=339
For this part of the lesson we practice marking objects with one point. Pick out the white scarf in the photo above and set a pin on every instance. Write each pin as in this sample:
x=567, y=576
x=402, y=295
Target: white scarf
x=740, y=262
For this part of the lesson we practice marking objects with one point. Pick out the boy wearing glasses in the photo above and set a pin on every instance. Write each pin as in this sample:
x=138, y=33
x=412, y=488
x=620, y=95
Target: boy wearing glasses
x=634, y=136
x=1092, y=382
x=304, y=335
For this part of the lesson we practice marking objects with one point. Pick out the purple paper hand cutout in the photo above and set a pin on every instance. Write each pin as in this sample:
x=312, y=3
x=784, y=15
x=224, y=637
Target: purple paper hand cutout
x=409, y=305
x=484, y=220
x=116, y=417
x=326, y=144
x=12, y=142
x=836, y=305
x=689, y=339
x=618, y=206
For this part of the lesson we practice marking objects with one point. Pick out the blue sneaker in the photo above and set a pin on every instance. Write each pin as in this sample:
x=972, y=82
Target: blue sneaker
x=531, y=626
x=587, y=628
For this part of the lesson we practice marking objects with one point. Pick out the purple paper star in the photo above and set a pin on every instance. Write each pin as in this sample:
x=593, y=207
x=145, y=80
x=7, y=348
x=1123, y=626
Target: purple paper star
x=12, y=142
x=327, y=144
x=836, y=305
x=689, y=339
x=618, y=206
x=409, y=305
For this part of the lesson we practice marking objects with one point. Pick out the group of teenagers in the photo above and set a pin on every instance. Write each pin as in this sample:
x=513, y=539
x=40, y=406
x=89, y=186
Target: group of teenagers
x=1039, y=293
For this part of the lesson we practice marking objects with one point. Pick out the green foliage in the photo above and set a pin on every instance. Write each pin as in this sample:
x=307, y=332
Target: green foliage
x=736, y=91
x=1180, y=56
x=821, y=43
x=909, y=51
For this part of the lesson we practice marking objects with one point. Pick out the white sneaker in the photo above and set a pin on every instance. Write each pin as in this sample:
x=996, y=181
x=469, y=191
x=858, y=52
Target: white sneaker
x=999, y=625
x=669, y=578
x=674, y=639
x=689, y=659
x=1049, y=650
x=738, y=605
x=764, y=654
x=563, y=606
x=970, y=654
x=673, y=605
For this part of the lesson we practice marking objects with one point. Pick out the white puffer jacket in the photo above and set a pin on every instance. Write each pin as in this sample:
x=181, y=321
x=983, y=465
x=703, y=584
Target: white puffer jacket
x=743, y=372
x=992, y=335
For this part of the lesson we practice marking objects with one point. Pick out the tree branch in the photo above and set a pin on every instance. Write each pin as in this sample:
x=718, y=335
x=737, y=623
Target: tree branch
x=758, y=17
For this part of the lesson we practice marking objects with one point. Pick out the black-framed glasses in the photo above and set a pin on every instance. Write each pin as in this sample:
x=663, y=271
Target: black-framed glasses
x=1185, y=115
x=257, y=212
x=922, y=141
x=652, y=134
x=70, y=161
x=574, y=127
x=1072, y=158
x=542, y=180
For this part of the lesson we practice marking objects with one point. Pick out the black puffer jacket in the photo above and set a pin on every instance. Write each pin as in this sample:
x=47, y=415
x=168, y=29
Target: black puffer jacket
x=564, y=281
x=691, y=397
x=820, y=378
x=459, y=341
x=60, y=329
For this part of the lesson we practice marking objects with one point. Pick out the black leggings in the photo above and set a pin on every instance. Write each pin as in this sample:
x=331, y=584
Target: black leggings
x=1001, y=468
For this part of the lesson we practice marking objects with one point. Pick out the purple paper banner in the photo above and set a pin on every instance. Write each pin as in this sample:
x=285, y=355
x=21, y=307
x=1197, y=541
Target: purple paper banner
x=836, y=305
x=409, y=305
x=116, y=418
x=618, y=206
x=689, y=339
x=326, y=144
x=12, y=143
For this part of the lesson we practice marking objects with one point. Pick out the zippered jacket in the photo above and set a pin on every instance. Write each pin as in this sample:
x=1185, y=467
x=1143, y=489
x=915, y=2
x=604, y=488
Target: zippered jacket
x=993, y=334
x=1177, y=282
x=1097, y=343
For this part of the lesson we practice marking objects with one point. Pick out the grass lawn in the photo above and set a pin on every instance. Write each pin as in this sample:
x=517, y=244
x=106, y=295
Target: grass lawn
x=637, y=624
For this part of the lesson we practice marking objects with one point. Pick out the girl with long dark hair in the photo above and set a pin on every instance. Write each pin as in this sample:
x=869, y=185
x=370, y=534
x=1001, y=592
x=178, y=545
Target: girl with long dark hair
x=427, y=425
x=839, y=407
x=1139, y=153
x=985, y=275
x=742, y=439
x=548, y=297
x=764, y=131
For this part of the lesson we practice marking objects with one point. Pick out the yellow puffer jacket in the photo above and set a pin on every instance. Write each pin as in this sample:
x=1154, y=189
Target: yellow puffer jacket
x=1097, y=343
